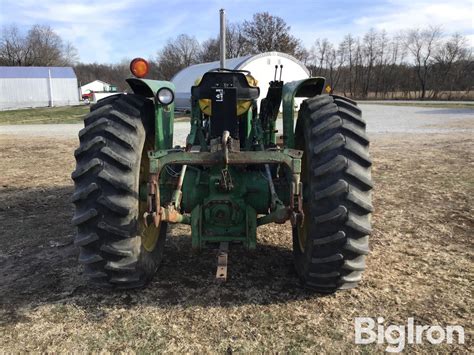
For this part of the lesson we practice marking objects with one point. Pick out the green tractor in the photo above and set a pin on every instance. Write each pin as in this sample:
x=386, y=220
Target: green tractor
x=233, y=175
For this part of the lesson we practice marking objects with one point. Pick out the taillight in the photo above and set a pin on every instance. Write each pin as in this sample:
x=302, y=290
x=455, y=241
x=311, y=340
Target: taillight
x=139, y=67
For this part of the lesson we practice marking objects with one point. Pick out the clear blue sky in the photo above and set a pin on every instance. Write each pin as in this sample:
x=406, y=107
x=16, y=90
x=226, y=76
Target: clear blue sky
x=109, y=31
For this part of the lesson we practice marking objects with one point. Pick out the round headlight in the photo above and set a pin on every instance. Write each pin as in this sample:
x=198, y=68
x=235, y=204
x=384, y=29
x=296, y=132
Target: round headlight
x=165, y=96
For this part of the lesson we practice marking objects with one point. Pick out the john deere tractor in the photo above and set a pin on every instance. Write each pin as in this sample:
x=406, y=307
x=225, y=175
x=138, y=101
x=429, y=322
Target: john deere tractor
x=234, y=174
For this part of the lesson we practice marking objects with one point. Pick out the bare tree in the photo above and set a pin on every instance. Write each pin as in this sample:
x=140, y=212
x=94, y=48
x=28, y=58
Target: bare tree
x=45, y=46
x=302, y=54
x=384, y=66
x=267, y=33
x=341, y=57
x=333, y=65
x=452, y=51
x=369, y=52
x=380, y=63
x=236, y=43
x=462, y=77
x=70, y=55
x=422, y=45
x=319, y=52
x=396, y=60
x=347, y=46
x=177, y=54
x=377, y=64
x=13, y=47
x=358, y=72
x=210, y=50
x=41, y=47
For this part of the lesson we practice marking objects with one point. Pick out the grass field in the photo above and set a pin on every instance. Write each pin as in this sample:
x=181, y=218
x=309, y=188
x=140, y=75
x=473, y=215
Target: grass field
x=64, y=114
x=420, y=266
x=45, y=115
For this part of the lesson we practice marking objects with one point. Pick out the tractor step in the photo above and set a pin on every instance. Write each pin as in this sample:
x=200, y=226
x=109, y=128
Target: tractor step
x=222, y=257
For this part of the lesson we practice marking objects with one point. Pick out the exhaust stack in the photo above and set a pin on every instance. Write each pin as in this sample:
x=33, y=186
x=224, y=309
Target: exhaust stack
x=222, y=38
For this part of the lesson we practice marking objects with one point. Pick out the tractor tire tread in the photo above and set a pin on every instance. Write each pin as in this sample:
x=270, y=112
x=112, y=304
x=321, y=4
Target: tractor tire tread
x=106, y=193
x=340, y=199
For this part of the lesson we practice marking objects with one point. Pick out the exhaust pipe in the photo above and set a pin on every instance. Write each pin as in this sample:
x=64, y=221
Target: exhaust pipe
x=222, y=39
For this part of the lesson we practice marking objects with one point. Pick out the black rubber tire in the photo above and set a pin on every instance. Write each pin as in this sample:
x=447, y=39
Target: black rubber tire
x=337, y=197
x=106, y=193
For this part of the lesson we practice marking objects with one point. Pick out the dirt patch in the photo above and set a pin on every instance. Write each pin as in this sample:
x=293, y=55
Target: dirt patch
x=462, y=124
x=420, y=265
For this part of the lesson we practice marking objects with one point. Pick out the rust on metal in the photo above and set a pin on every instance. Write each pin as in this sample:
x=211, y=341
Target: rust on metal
x=234, y=158
x=170, y=214
x=152, y=215
x=296, y=202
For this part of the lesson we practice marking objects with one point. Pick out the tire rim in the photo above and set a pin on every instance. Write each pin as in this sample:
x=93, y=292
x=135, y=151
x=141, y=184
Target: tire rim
x=149, y=235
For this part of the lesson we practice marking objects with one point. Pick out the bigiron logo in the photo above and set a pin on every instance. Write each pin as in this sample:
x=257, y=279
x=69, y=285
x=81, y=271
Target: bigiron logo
x=369, y=331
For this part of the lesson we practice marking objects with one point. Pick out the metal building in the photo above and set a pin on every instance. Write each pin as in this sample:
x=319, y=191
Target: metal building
x=261, y=66
x=22, y=87
x=97, y=86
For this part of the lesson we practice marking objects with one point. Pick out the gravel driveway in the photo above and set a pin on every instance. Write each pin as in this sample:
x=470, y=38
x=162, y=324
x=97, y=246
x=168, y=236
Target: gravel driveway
x=380, y=119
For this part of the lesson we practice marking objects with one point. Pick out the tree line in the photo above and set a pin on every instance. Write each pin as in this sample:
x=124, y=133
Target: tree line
x=264, y=33
x=415, y=63
x=40, y=46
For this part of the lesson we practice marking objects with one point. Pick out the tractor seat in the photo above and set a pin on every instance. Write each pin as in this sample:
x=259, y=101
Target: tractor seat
x=212, y=80
x=214, y=85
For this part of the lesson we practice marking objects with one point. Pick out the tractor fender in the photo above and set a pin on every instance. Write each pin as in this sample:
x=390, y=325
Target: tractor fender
x=163, y=115
x=300, y=88
x=147, y=87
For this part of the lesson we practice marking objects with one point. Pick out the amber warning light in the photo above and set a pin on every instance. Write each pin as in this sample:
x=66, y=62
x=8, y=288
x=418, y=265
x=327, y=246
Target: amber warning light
x=139, y=67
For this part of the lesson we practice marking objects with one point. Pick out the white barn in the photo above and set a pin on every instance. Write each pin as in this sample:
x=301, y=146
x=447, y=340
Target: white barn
x=22, y=87
x=261, y=66
x=97, y=86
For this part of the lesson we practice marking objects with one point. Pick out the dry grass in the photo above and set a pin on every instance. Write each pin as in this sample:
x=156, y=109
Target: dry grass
x=53, y=115
x=42, y=115
x=420, y=266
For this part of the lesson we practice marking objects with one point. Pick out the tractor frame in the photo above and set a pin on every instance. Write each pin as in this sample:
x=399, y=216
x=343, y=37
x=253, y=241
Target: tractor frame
x=220, y=211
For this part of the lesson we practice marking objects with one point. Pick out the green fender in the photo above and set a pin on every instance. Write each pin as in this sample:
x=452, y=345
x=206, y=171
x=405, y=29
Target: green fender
x=164, y=114
x=300, y=88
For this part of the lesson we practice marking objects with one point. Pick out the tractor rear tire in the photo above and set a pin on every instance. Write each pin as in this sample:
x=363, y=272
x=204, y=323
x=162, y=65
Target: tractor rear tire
x=111, y=166
x=331, y=245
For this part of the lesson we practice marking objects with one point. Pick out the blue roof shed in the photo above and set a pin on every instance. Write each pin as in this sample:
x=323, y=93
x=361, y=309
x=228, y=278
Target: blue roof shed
x=22, y=87
x=37, y=72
